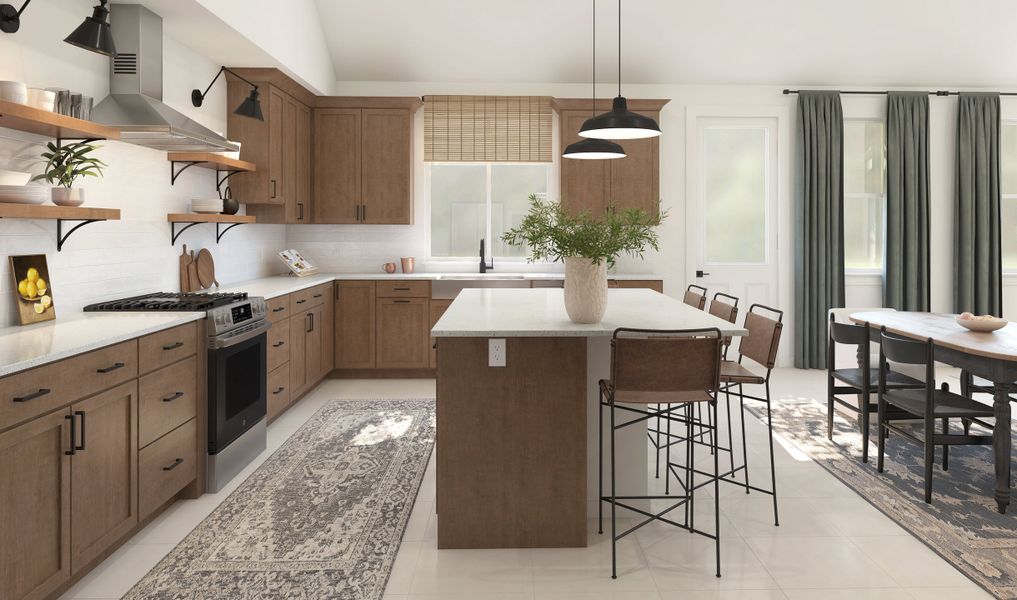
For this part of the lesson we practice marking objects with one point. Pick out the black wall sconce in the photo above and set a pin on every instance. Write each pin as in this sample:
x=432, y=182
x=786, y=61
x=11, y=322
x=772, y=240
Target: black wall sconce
x=94, y=32
x=10, y=17
x=250, y=107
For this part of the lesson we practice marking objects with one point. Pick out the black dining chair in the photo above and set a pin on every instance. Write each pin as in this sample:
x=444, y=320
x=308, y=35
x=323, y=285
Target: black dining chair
x=860, y=381
x=927, y=404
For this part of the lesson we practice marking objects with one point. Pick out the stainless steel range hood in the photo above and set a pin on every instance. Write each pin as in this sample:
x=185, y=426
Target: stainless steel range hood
x=135, y=102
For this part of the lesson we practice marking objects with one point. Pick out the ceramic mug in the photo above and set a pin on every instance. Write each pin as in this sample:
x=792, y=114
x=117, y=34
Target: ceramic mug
x=389, y=267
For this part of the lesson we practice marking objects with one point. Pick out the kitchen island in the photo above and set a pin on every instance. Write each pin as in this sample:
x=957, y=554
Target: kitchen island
x=517, y=444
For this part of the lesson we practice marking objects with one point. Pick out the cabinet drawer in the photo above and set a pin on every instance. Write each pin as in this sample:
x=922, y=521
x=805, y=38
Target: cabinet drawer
x=278, y=390
x=165, y=466
x=404, y=289
x=160, y=349
x=168, y=398
x=310, y=297
x=278, y=344
x=278, y=308
x=31, y=393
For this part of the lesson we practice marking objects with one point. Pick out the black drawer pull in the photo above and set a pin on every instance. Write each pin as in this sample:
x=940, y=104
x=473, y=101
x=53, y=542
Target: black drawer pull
x=73, y=428
x=172, y=397
x=175, y=464
x=278, y=344
x=81, y=414
x=401, y=301
x=278, y=390
x=111, y=368
x=401, y=289
x=301, y=301
x=172, y=346
x=317, y=295
x=278, y=309
x=36, y=394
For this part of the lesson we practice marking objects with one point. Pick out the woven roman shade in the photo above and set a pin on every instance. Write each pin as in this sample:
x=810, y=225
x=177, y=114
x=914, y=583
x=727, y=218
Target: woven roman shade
x=487, y=128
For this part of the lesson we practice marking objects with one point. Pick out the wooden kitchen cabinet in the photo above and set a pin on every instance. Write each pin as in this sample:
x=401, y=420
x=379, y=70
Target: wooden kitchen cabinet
x=298, y=354
x=436, y=308
x=35, y=507
x=403, y=335
x=310, y=333
x=337, y=141
x=104, y=472
x=354, y=325
x=593, y=185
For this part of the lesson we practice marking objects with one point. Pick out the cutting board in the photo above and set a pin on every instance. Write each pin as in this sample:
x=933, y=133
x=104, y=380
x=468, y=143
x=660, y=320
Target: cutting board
x=192, y=274
x=206, y=269
x=185, y=261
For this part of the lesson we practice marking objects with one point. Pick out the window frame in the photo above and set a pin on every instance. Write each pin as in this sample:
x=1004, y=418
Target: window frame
x=858, y=197
x=487, y=232
x=1003, y=197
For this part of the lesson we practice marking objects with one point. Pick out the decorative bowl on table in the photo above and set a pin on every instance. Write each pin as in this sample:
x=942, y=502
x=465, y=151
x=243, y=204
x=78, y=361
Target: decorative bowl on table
x=982, y=323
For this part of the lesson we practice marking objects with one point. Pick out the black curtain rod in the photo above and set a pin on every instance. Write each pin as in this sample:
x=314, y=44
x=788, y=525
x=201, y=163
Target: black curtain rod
x=883, y=93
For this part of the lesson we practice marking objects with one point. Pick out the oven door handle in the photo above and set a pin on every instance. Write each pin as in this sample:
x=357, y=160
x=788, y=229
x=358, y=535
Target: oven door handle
x=233, y=341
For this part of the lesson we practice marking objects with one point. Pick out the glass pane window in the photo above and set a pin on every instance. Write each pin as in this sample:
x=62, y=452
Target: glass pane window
x=1008, y=206
x=864, y=195
x=474, y=201
x=735, y=189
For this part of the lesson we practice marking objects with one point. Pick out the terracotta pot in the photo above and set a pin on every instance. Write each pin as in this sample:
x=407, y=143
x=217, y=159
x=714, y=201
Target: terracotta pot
x=585, y=289
x=63, y=196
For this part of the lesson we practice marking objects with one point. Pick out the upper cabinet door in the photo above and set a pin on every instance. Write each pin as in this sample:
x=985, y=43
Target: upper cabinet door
x=585, y=184
x=298, y=208
x=387, y=167
x=289, y=151
x=337, y=181
x=635, y=179
x=276, y=146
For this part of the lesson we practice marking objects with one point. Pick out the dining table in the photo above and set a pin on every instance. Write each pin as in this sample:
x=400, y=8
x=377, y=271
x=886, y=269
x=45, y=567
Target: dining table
x=989, y=355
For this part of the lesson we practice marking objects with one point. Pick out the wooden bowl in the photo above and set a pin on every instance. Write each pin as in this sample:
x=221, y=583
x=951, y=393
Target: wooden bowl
x=982, y=326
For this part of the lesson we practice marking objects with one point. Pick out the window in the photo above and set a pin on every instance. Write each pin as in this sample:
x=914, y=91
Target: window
x=864, y=195
x=1008, y=203
x=735, y=195
x=470, y=201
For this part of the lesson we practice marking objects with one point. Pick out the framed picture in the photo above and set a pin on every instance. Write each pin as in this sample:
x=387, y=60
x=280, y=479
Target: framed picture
x=32, y=289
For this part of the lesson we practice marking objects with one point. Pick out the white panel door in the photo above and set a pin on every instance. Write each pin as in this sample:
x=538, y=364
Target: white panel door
x=732, y=207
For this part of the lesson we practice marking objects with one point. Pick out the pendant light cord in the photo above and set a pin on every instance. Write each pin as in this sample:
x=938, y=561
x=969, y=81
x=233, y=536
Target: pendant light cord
x=594, y=95
x=619, y=47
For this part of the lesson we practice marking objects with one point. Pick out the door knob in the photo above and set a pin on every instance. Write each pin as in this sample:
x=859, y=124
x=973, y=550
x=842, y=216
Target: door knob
x=701, y=274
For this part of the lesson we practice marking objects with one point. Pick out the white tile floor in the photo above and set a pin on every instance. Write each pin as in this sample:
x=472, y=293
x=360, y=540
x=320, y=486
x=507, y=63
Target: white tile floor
x=831, y=543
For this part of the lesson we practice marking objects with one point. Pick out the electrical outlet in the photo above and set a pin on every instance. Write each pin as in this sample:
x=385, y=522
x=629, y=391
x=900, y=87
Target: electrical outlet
x=496, y=352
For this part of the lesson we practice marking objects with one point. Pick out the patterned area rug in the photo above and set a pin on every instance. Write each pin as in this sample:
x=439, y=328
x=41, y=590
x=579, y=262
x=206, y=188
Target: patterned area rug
x=961, y=525
x=321, y=518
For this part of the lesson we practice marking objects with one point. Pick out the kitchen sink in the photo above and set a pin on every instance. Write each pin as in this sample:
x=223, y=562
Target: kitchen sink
x=448, y=286
x=483, y=277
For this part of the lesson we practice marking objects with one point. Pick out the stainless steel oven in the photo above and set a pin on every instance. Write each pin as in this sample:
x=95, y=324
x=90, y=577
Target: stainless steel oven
x=237, y=397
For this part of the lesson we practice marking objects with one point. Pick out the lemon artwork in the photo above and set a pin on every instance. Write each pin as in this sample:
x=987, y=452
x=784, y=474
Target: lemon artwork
x=33, y=287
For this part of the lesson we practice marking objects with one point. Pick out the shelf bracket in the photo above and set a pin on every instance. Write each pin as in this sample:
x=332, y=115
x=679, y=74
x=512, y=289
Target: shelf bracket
x=175, y=233
x=219, y=234
x=174, y=172
x=220, y=179
x=62, y=237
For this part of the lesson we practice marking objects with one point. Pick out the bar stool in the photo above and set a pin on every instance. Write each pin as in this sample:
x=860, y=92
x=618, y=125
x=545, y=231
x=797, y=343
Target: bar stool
x=658, y=373
x=724, y=306
x=927, y=404
x=859, y=381
x=695, y=296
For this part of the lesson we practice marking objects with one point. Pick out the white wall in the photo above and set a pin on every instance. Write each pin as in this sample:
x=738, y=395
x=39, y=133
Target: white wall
x=132, y=256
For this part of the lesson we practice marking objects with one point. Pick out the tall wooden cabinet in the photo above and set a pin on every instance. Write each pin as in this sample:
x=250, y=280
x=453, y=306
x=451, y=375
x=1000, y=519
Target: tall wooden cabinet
x=363, y=161
x=593, y=185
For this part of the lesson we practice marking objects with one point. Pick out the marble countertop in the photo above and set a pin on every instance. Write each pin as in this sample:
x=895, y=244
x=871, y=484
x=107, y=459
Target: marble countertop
x=26, y=347
x=540, y=312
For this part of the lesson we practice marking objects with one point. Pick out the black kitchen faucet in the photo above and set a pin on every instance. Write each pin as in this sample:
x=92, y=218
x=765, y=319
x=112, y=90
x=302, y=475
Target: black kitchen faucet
x=484, y=267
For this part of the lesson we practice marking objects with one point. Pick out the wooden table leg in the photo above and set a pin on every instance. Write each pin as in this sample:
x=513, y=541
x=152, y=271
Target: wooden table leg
x=1001, y=444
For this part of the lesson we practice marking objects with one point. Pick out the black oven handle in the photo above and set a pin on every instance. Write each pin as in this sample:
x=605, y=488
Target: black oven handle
x=218, y=344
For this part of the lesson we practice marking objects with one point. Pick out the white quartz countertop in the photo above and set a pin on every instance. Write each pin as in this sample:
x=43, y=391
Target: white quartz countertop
x=540, y=312
x=26, y=347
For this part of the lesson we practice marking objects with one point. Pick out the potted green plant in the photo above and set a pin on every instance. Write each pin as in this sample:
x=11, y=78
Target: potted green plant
x=587, y=245
x=67, y=163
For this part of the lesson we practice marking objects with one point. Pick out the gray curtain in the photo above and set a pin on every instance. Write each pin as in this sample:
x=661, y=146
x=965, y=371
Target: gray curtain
x=977, y=262
x=819, y=224
x=906, y=279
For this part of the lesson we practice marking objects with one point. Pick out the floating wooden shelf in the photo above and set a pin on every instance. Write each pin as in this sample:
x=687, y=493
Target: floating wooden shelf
x=189, y=220
x=225, y=167
x=84, y=214
x=51, y=124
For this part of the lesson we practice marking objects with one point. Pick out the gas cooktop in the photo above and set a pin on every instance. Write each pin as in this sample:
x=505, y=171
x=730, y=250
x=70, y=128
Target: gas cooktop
x=169, y=301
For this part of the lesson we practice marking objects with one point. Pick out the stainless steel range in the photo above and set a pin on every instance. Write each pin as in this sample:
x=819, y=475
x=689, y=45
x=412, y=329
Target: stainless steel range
x=236, y=343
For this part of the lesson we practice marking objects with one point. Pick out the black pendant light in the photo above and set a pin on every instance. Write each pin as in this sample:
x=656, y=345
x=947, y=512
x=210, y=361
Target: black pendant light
x=10, y=17
x=94, y=33
x=250, y=107
x=620, y=123
x=589, y=148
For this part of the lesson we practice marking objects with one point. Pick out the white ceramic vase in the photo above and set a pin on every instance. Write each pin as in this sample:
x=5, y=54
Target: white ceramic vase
x=585, y=289
x=63, y=196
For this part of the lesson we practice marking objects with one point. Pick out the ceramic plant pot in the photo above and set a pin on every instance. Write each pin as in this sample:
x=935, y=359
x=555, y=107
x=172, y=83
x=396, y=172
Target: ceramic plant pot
x=585, y=290
x=63, y=196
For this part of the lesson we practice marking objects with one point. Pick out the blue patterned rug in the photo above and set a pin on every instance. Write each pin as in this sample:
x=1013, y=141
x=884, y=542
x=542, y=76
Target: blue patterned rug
x=321, y=518
x=962, y=524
